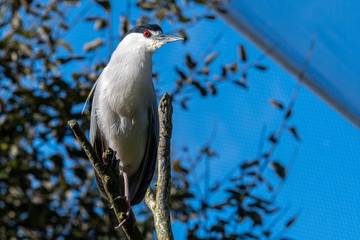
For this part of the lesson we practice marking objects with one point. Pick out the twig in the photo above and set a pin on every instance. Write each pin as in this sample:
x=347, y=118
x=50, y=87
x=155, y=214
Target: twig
x=110, y=181
x=159, y=203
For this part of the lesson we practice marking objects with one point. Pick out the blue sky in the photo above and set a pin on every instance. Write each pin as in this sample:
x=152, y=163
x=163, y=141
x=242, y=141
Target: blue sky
x=323, y=184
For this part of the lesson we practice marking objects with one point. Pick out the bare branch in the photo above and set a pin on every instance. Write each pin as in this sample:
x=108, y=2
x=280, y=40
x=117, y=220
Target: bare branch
x=150, y=200
x=159, y=205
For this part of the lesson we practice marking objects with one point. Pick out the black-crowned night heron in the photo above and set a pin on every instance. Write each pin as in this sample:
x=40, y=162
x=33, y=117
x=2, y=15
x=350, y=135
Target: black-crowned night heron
x=124, y=112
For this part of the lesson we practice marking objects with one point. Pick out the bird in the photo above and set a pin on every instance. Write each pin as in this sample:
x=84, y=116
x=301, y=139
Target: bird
x=124, y=112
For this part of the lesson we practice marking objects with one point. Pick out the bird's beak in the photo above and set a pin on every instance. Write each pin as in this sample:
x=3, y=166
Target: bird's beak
x=168, y=38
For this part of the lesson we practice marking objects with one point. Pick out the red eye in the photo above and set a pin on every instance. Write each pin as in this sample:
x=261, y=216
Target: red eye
x=147, y=34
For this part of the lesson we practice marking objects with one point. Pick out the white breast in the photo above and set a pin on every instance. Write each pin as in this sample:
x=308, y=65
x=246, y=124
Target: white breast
x=127, y=93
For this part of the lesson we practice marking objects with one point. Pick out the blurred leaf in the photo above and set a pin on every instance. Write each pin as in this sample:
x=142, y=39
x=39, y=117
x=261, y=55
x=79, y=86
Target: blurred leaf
x=92, y=18
x=221, y=10
x=4, y=174
x=100, y=24
x=177, y=167
x=291, y=222
x=255, y=217
x=211, y=58
x=197, y=84
x=204, y=70
x=68, y=59
x=220, y=206
x=183, y=103
x=81, y=173
x=276, y=104
x=72, y=2
x=125, y=25
x=105, y=4
x=273, y=139
x=293, y=131
x=215, y=188
x=223, y=72
x=266, y=233
x=288, y=113
x=184, y=19
x=203, y=2
x=234, y=68
x=181, y=73
x=90, y=46
x=148, y=6
x=183, y=35
x=64, y=44
x=242, y=52
x=261, y=67
x=210, y=17
x=241, y=84
x=249, y=235
x=189, y=62
x=249, y=164
x=279, y=169
x=212, y=88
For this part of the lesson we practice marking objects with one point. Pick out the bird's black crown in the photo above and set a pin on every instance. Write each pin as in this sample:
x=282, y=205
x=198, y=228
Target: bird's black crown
x=141, y=28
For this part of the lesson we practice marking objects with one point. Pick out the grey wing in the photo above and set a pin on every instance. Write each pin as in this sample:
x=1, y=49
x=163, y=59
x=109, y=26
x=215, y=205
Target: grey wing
x=97, y=140
x=140, y=181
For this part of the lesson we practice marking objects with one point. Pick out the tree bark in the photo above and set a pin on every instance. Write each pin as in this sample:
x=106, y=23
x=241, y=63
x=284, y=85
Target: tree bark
x=159, y=203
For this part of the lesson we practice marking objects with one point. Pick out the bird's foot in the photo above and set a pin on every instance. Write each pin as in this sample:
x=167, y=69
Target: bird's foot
x=111, y=162
x=129, y=212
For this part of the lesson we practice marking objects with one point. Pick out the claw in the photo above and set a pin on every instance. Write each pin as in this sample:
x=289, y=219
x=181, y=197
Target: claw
x=128, y=214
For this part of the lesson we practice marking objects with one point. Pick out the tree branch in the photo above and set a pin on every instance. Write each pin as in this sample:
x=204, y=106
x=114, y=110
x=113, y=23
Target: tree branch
x=159, y=204
x=150, y=200
x=110, y=181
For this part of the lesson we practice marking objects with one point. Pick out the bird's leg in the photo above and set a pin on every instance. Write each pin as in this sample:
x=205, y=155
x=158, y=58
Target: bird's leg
x=129, y=211
x=104, y=157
